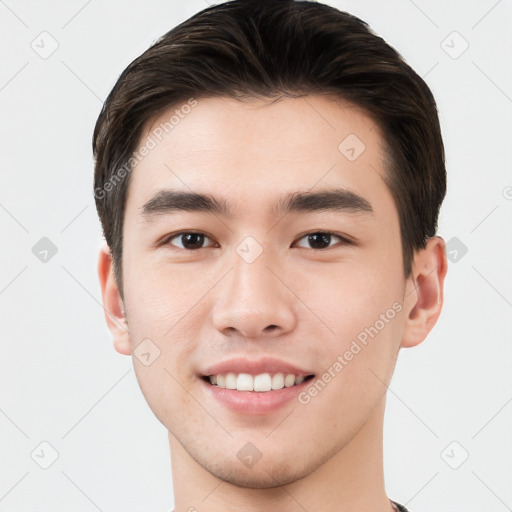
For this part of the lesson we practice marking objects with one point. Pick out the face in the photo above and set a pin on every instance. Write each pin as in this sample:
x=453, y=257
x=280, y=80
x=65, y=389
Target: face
x=259, y=284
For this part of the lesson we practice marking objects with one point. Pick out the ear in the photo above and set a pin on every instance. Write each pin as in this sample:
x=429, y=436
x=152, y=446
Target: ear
x=112, y=302
x=424, y=292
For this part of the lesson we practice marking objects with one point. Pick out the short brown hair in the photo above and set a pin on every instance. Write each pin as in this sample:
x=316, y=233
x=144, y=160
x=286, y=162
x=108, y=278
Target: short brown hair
x=247, y=49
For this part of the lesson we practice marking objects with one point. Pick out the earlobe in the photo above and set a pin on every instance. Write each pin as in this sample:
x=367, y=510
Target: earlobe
x=112, y=302
x=424, y=292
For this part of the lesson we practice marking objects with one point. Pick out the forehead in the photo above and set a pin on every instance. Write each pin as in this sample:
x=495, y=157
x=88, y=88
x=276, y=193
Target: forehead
x=254, y=152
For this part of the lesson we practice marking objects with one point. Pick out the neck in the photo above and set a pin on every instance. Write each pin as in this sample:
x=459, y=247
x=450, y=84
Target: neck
x=352, y=480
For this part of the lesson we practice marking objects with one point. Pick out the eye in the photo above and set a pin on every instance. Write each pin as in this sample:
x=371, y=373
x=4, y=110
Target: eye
x=321, y=239
x=189, y=240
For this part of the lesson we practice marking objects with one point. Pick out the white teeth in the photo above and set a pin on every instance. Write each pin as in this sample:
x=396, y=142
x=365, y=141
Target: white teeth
x=289, y=381
x=230, y=381
x=299, y=379
x=261, y=383
x=244, y=382
x=278, y=381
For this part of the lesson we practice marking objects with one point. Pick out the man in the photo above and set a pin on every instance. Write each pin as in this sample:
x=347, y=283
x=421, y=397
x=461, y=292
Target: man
x=269, y=177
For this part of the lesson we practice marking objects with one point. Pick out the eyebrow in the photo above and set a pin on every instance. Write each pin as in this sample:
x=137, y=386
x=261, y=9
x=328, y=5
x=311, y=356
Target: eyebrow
x=331, y=200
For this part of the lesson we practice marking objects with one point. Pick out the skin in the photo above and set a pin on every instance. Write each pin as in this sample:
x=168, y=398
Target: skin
x=201, y=306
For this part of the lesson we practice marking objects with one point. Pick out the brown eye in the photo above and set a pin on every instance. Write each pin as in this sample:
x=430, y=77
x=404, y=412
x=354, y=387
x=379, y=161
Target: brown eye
x=321, y=239
x=189, y=240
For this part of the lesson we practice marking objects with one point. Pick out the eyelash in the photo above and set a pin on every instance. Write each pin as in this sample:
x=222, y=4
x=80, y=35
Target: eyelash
x=344, y=240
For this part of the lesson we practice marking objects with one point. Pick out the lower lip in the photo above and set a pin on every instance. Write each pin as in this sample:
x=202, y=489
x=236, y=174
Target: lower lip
x=254, y=402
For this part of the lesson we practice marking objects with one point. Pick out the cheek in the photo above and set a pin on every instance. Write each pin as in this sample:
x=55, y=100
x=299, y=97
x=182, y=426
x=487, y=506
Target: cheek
x=160, y=307
x=363, y=309
x=164, y=388
x=167, y=306
x=357, y=361
x=157, y=298
x=352, y=298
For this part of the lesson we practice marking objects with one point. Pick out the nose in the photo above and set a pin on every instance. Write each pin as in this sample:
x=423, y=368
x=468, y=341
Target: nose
x=254, y=301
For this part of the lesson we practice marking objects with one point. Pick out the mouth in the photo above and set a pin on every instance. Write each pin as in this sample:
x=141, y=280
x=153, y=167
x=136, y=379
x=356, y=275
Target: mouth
x=260, y=383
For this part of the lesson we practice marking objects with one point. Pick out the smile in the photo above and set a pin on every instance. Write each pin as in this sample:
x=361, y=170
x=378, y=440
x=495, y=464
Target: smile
x=262, y=382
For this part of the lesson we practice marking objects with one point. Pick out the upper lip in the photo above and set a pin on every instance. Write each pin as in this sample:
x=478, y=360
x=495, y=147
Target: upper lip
x=255, y=367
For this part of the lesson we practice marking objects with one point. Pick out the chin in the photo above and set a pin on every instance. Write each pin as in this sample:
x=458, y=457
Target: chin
x=262, y=476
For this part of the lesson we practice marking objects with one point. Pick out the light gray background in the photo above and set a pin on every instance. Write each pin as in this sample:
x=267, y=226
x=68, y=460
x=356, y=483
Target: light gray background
x=61, y=381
